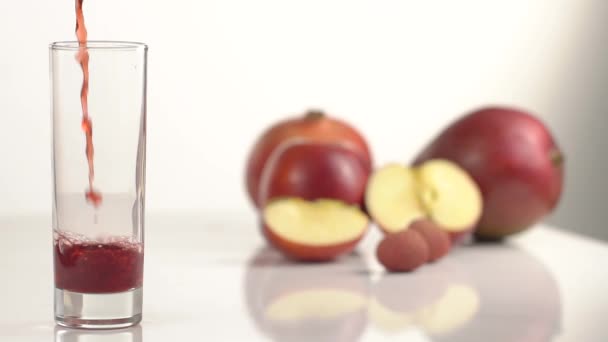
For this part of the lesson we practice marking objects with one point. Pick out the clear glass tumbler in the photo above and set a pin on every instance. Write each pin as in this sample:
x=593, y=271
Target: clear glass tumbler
x=98, y=182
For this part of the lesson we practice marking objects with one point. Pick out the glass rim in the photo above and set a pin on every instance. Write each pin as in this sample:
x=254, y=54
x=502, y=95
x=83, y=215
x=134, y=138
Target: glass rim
x=73, y=45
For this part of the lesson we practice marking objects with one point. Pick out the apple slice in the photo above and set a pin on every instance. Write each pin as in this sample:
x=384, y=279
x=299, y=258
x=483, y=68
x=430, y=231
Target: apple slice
x=438, y=190
x=449, y=195
x=319, y=230
x=391, y=198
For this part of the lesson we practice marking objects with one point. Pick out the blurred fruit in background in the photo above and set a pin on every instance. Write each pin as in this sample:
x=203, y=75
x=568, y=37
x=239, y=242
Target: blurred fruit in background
x=491, y=173
x=314, y=126
x=513, y=158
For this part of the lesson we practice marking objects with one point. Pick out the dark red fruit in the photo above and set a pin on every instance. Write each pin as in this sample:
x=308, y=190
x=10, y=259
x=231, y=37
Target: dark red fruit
x=404, y=251
x=312, y=170
x=437, y=239
x=513, y=158
x=313, y=126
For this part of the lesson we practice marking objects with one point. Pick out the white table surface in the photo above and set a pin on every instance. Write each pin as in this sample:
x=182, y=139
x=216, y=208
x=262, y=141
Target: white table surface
x=209, y=278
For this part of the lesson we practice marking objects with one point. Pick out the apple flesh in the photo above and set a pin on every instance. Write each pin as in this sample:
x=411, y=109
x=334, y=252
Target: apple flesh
x=312, y=170
x=513, y=158
x=320, y=230
x=438, y=190
x=315, y=126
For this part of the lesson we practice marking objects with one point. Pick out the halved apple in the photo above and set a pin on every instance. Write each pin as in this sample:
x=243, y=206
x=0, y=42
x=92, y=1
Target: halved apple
x=391, y=198
x=438, y=189
x=320, y=230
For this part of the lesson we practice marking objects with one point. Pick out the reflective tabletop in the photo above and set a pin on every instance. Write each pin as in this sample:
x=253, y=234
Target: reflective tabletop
x=212, y=277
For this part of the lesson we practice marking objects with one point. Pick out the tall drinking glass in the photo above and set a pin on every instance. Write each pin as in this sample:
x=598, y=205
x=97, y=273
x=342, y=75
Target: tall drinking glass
x=99, y=155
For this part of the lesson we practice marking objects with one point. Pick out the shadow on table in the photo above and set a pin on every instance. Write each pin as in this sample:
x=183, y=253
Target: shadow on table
x=132, y=334
x=486, y=292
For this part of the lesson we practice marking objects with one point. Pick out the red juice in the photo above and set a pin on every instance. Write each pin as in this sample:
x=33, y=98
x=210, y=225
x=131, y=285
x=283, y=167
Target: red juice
x=92, y=266
x=82, y=57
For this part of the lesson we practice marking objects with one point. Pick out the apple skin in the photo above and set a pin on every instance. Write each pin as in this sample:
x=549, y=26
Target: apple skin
x=513, y=158
x=313, y=125
x=308, y=253
x=313, y=170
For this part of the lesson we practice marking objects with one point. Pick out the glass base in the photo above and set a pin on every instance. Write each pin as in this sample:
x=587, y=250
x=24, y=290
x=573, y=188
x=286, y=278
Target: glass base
x=98, y=311
x=131, y=334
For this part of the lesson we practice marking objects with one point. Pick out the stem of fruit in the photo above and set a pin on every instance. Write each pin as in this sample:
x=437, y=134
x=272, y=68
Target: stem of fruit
x=314, y=114
x=557, y=158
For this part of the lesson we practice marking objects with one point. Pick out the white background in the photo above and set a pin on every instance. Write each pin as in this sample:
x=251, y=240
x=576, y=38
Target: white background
x=221, y=71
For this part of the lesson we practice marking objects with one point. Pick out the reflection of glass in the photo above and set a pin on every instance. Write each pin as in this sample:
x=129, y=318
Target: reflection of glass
x=307, y=302
x=98, y=244
x=484, y=293
x=131, y=334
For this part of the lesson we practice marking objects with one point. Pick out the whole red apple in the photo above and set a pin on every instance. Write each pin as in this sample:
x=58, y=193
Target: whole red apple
x=313, y=125
x=513, y=158
x=314, y=170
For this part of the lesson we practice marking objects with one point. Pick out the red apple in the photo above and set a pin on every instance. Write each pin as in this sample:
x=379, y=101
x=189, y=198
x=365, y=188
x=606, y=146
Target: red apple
x=437, y=190
x=312, y=170
x=321, y=230
x=513, y=158
x=314, y=126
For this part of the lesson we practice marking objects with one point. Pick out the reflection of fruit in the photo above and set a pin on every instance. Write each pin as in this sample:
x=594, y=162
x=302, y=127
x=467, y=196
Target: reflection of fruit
x=437, y=239
x=313, y=231
x=307, y=302
x=314, y=126
x=403, y=251
x=519, y=301
x=313, y=170
x=403, y=301
x=388, y=320
x=514, y=160
x=438, y=189
x=399, y=297
x=457, y=306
